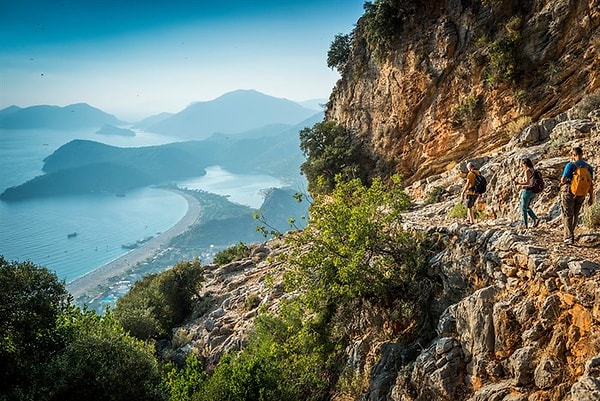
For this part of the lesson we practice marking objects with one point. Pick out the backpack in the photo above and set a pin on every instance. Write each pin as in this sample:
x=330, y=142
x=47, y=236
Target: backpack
x=537, y=182
x=480, y=184
x=581, y=181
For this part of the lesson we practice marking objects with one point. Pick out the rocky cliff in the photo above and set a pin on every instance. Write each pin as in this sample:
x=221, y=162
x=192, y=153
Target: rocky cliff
x=455, y=79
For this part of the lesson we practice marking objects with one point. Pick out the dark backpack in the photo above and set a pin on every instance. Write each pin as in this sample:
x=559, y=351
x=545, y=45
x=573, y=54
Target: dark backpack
x=537, y=182
x=480, y=184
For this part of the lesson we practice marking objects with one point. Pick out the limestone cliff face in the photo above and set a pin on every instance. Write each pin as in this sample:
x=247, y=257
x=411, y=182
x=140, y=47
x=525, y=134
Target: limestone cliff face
x=462, y=77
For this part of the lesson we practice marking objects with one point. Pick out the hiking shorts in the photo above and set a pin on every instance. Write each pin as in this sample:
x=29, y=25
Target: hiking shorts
x=471, y=199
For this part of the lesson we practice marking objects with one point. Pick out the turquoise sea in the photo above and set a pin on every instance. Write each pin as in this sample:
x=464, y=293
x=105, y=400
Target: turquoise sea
x=38, y=229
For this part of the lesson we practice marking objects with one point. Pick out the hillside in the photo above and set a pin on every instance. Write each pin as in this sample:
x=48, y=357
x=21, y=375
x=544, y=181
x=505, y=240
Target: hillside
x=514, y=311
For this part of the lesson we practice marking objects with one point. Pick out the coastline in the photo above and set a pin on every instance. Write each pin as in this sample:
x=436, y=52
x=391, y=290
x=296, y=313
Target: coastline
x=119, y=266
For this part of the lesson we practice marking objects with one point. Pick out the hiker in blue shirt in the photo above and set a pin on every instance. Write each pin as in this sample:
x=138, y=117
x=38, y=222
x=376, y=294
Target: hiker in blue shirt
x=527, y=193
x=577, y=180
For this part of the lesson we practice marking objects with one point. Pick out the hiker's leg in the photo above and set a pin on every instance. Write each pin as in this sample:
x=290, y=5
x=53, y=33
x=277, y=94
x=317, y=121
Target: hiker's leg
x=567, y=205
x=526, y=197
x=577, y=204
x=529, y=209
x=470, y=205
x=524, y=205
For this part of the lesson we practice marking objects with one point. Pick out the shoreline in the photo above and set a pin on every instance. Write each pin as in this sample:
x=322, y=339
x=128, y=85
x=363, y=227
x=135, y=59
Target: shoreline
x=119, y=266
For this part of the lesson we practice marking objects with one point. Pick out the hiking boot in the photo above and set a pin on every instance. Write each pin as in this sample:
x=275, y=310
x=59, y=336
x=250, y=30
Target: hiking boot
x=568, y=241
x=536, y=222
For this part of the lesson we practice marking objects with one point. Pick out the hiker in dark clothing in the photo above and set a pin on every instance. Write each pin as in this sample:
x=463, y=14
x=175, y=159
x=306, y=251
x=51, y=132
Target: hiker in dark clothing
x=577, y=180
x=527, y=193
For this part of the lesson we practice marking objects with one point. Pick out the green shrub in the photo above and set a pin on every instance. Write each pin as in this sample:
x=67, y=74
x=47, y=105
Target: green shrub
x=339, y=52
x=332, y=151
x=435, y=195
x=158, y=302
x=471, y=109
x=231, y=254
x=458, y=211
x=591, y=216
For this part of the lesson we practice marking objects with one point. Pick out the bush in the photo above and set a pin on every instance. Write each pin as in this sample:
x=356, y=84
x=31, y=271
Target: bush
x=435, y=195
x=332, y=151
x=231, y=254
x=158, y=302
x=458, y=211
x=591, y=216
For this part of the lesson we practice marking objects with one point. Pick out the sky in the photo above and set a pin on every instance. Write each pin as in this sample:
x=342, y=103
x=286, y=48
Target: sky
x=136, y=58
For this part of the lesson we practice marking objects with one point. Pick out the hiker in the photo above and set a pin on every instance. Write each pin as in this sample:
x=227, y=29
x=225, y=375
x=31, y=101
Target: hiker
x=577, y=180
x=527, y=193
x=469, y=190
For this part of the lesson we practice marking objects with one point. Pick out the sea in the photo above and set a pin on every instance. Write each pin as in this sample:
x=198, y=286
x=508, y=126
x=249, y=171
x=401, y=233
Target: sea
x=73, y=235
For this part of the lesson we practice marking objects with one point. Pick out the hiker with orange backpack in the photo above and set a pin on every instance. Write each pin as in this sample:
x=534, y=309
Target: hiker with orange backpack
x=577, y=179
x=474, y=187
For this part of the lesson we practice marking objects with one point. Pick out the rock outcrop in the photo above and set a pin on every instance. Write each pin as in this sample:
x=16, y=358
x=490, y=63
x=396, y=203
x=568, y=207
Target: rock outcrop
x=462, y=77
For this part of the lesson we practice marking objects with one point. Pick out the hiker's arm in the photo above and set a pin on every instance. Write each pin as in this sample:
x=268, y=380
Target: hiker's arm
x=465, y=188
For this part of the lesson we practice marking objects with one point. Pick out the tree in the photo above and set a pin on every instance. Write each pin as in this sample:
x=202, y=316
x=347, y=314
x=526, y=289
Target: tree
x=158, y=302
x=102, y=362
x=332, y=151
x=339, y=52
x=31, y=299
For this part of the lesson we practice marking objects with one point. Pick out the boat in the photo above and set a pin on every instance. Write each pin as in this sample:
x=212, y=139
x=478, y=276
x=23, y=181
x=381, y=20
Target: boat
x=72, y=235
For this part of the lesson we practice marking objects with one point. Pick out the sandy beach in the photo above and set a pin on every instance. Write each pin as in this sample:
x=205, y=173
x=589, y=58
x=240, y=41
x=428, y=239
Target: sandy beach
x=119, y=266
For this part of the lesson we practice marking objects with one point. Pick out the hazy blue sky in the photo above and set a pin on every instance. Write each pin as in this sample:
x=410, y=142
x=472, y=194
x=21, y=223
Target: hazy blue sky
x=134, y=58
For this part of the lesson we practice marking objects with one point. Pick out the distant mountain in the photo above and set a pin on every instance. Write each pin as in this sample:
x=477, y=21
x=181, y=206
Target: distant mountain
x=75, y=116
x=231, y=113
x=152, y=120
x=108, y=129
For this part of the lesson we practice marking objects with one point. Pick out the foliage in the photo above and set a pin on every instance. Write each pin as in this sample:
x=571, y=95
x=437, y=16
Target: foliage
x=382, y=23
x=31, y=299
x=51, y=350
x=591, y=216
x=184, y=383
x=288, y=358
x=471, y=109
x=231, y=254
x=159, y=302
x=356, y=247
x=339, y=51
x=502, y=54
x=435, y=195
x=331, y=151
x=515, y=126
x=460, y=211
x=102, y=362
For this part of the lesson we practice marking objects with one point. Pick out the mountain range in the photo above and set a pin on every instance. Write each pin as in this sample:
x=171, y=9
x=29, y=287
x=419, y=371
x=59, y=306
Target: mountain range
x=233, y=113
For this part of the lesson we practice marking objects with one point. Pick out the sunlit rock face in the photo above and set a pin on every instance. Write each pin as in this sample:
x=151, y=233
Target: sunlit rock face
x=462, y=78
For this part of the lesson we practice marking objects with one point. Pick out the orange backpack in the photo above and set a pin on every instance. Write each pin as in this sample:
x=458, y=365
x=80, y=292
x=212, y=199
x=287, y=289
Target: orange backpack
x=581, y=181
